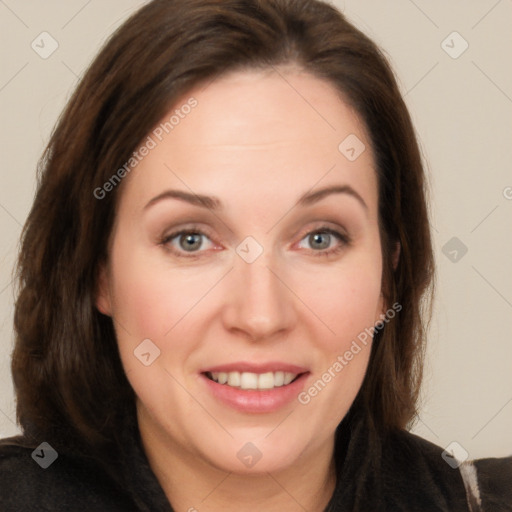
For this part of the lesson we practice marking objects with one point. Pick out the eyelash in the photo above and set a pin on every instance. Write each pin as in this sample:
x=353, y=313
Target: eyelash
x=324, y=230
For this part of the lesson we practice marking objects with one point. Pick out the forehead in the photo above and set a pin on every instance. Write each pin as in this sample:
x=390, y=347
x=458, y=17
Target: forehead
x=258, y=132
x=261, y=107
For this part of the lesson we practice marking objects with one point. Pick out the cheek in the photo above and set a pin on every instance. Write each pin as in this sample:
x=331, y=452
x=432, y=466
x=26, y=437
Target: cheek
x=140, y=306
x=347, y=303
x=150, y=298
x=156, y=301
x=150, y=301
x=346, y=300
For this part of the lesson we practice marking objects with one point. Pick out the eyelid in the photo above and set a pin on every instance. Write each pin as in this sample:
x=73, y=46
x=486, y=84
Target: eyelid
x=187, y=228
x=322, y=225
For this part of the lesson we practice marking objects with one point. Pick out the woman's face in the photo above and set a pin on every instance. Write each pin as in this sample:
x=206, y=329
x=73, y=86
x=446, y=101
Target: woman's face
x=279, y=274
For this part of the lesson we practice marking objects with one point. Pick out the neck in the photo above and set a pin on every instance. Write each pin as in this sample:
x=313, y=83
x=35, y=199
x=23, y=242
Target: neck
x=192, y=484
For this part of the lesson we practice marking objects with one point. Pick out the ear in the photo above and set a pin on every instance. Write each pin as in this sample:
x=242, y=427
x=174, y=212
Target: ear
x=381, y=311
x=396, y=255
x=102, y=299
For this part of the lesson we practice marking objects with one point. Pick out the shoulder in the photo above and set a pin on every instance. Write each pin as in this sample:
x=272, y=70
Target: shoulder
x=43, y=480
x=489, y=483
x=425, y=472
x=416, y=477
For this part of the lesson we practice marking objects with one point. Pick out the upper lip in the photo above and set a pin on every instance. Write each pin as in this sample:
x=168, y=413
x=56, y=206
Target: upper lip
x=243, y=366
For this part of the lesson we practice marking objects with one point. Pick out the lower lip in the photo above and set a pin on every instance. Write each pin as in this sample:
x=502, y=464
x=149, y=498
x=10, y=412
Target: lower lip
x=255, y=401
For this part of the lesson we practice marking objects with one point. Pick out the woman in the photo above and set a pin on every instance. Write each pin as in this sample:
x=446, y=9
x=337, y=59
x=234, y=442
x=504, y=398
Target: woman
x=224, y=278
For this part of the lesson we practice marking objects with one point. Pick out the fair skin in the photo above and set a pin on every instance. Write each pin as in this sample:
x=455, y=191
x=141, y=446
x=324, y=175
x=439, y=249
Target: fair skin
x=257, y=145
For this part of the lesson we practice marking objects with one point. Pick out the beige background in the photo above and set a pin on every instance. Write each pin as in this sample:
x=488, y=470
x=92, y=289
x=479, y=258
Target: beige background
x=462, y=109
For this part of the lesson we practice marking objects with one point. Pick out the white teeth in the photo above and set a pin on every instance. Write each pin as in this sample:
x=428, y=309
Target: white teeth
x=248, y=380
x=266, y=380
x=288, y=377
x=234, y=379
x=278, y=378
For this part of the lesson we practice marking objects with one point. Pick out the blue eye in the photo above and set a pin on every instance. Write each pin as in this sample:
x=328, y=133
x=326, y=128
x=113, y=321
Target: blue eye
x=186, y=241
x=320, y=241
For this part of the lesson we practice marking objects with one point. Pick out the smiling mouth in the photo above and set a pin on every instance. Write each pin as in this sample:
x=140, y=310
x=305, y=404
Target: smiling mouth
x=254, y=381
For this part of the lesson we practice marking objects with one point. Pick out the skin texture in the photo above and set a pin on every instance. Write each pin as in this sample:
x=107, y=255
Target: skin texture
x=257, y=140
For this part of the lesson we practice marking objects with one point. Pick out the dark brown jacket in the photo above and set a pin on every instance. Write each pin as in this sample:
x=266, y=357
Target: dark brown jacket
x=402, y=472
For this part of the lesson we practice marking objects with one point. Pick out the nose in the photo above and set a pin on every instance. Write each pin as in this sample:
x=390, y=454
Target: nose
x=259, y=303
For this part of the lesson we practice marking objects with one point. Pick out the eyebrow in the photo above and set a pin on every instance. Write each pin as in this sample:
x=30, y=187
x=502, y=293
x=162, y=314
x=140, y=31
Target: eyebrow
x=214, y=203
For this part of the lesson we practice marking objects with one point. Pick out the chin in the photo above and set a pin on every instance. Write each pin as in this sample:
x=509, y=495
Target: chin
x=251, y=458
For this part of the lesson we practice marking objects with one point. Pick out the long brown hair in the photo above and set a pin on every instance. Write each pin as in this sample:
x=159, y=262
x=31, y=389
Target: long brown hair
x=69, y=381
